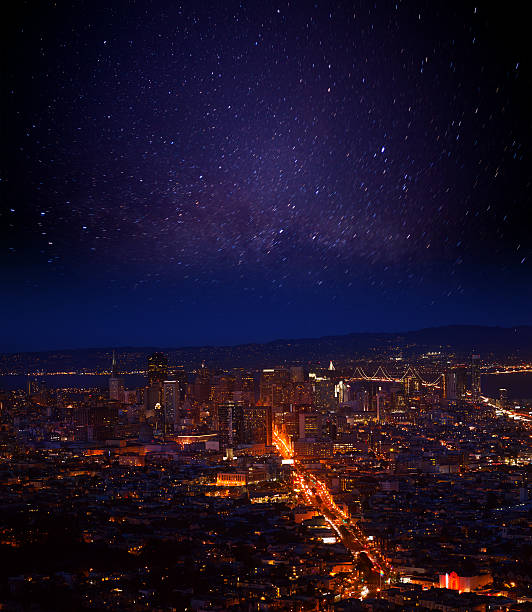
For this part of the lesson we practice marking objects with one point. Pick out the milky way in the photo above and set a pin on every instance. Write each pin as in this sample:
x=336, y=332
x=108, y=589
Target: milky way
x=268, y=157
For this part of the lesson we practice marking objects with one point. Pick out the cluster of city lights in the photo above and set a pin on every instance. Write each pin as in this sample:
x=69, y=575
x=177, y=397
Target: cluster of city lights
x=312, y=490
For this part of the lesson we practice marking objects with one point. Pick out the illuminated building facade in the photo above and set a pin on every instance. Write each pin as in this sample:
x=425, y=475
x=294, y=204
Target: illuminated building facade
x=289, y=423
x=275, y=388
x=297, y=374
x=257, y=427
x=475, y=378
x=455, y=384
x=324, y=393
x=116, y=383
x=201, y=387
x=301, y=394
x=463, y=584
x=157, y=368
x=222, y=389
x=171, y=397
x=310, y=425
x=503, y=398
x=97, y=419
x=230, y=423
x=307, y=449
x=153, y=395
x=232, y=479
x=116, y=389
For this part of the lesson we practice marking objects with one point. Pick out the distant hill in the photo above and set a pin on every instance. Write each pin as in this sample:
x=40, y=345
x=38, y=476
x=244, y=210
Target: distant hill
x=461, y=340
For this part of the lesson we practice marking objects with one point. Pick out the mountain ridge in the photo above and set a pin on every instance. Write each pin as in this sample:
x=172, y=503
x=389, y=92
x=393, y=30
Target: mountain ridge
x=495, y=341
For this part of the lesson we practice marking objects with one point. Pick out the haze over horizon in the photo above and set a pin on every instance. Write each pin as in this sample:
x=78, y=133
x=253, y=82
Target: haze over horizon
x=316, y=336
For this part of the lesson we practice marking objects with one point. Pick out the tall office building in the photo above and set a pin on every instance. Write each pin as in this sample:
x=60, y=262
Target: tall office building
x=181, y=377
x=275, y=388
x=97, y=418
x=503, y=398
x=225, y=425
x=171, y=400
x=455, y=384
x=116, y=389
x=341, y=391
x=157, y=368
x=222, y=388
x=158, y=415
x=301, y=394
x=238, y=421
x=153, y=395
x=257, y=425
x=288, y=423
x=201, y=388
x=310, y=425
x=380, y=402
x=475, y=378
x=39, y=392
x=412, y=384
x=231, y=423
x=297, y=374
x=245, y=384
x=324, y=393
x=116, y=383
x=33, y=386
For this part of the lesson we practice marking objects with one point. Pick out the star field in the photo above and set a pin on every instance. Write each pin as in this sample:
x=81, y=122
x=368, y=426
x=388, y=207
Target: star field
x=246, y=170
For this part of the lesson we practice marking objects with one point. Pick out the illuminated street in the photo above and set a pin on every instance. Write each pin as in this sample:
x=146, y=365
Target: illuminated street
x=314, y=492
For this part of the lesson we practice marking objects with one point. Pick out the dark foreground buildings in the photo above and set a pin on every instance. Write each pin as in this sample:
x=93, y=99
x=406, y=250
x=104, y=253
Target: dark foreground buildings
x=369, y=487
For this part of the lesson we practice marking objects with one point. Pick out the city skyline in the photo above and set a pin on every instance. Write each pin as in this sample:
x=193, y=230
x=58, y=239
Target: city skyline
x=221, y=174
x=266, y=312
x=358, y=485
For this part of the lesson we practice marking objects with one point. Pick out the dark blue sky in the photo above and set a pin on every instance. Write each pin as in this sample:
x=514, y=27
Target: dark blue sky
x=226, y=172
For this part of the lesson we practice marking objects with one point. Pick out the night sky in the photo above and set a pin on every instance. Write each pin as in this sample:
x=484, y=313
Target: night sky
x=223, y=172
